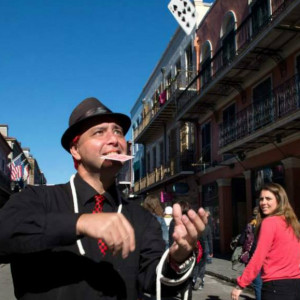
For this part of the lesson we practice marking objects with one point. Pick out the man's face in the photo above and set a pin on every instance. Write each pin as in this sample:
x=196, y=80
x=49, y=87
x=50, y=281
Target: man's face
x=99, y=140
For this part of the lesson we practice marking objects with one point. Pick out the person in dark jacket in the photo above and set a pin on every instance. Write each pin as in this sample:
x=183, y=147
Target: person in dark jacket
x=244, y=241
x=81, y=240
x=207, y=246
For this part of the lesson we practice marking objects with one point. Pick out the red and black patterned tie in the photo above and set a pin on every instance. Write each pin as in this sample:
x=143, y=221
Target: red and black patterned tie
x=99, y=201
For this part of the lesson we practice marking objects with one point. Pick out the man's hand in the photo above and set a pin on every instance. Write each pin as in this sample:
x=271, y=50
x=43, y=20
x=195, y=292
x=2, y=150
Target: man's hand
x=187, y=230
x=113, y=228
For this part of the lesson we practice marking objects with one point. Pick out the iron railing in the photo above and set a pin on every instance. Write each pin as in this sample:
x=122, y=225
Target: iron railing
x=172, y=89
x=244, y=35
x=284, y=100
x=177, y=164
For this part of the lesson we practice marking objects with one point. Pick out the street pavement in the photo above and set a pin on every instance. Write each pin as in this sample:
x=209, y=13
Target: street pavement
x=6, y=287
x=219, y=280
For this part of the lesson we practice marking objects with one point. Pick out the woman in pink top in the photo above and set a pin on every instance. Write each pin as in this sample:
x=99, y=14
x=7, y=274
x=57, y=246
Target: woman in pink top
x=277, y=254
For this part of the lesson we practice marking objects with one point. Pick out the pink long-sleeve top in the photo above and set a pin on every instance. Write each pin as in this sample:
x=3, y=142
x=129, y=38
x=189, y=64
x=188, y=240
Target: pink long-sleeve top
x=277, y=253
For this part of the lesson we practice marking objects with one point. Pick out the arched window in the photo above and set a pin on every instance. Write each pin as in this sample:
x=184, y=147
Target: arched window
x=206, y=63
x=228, y=38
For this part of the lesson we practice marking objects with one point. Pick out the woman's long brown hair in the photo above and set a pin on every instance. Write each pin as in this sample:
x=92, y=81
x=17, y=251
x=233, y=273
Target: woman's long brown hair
x=284, y=208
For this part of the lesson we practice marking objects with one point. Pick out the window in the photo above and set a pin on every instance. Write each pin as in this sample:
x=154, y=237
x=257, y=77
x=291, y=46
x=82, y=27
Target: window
x=229, y=126
x=187, y=138
x=189, y=62
x=177, y=75
x=177, y=67
x=168, y=86
x=206, y=63
x=206, y=143
x=148, y=162
x=229, y=115
x=189, y=57
x=161, y=153
x=263, y=108
x=183, y=138
x=228, y=40
x=172, y=143
x=260, y=15
x=262, y=91
x=154, y=158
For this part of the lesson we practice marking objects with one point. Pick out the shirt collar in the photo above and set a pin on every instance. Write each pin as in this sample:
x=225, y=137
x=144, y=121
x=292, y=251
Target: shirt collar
x=86, y=193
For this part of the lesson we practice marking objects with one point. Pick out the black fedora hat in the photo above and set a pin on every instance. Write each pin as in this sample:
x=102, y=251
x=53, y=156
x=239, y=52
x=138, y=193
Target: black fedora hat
x=88, y=113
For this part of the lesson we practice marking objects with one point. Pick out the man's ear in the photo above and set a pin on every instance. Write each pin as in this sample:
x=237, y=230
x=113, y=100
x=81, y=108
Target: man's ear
x=74, y=152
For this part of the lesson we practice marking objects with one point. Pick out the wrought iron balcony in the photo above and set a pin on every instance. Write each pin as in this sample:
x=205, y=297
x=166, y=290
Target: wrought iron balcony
x=283, y=102
x=178, y=166
x=164, y=107
x=252, y=39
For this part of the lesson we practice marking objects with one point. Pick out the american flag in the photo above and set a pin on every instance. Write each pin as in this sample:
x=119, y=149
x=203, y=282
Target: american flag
x=16, y=168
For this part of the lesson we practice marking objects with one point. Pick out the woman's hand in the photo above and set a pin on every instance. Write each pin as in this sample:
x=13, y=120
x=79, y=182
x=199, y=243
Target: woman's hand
x=235, y=294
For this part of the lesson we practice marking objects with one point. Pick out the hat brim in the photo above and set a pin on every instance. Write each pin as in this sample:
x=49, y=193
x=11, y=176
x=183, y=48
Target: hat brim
x=83, y=125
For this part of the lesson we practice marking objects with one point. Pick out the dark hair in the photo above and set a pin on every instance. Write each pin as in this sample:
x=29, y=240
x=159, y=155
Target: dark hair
x=185, y=206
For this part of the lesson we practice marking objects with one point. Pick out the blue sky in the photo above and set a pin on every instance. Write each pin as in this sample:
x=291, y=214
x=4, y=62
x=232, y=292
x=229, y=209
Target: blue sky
x=55, y=53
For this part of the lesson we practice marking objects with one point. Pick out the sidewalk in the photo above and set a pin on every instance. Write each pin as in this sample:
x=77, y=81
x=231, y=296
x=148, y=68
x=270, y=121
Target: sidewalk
x=222, y=268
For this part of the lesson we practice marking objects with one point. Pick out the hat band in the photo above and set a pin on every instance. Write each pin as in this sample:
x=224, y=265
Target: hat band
x=94, y=111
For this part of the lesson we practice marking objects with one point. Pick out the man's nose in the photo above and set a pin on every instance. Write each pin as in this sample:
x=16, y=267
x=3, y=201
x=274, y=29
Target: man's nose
x=111, y=137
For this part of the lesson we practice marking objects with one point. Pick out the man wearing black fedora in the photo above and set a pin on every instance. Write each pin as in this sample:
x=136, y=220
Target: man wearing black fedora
x=81, y=240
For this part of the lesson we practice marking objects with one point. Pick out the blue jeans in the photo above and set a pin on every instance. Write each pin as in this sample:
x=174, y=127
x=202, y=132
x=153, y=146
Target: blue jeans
x=257, y=285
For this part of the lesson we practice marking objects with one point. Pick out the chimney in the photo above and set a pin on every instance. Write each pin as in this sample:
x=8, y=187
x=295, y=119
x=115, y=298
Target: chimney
x=4, y=129
x=201, y=9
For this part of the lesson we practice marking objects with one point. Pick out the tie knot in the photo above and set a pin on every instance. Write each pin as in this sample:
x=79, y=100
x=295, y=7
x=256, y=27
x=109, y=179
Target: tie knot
x=99, y=198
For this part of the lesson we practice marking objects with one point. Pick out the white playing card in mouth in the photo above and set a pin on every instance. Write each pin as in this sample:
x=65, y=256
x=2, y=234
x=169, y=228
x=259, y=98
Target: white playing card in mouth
x=118, y=157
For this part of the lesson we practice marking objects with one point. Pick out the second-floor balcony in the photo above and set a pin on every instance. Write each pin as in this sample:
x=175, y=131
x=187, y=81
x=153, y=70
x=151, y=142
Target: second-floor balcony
x=258, y=39
x=265, y=117
x=177, y=167
x=164, y=108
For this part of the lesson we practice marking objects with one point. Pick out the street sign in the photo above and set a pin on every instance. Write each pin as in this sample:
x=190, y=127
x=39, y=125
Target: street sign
x=185, y=14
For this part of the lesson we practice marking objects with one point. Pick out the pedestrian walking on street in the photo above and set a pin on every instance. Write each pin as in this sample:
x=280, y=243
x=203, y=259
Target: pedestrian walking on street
x=277, y=253
x=152, y=204
x=168, y=215
x=81, y=240
x=207, y=246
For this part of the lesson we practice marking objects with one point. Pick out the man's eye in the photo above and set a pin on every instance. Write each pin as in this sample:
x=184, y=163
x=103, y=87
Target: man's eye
x=119, y=132
x=99, y=132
